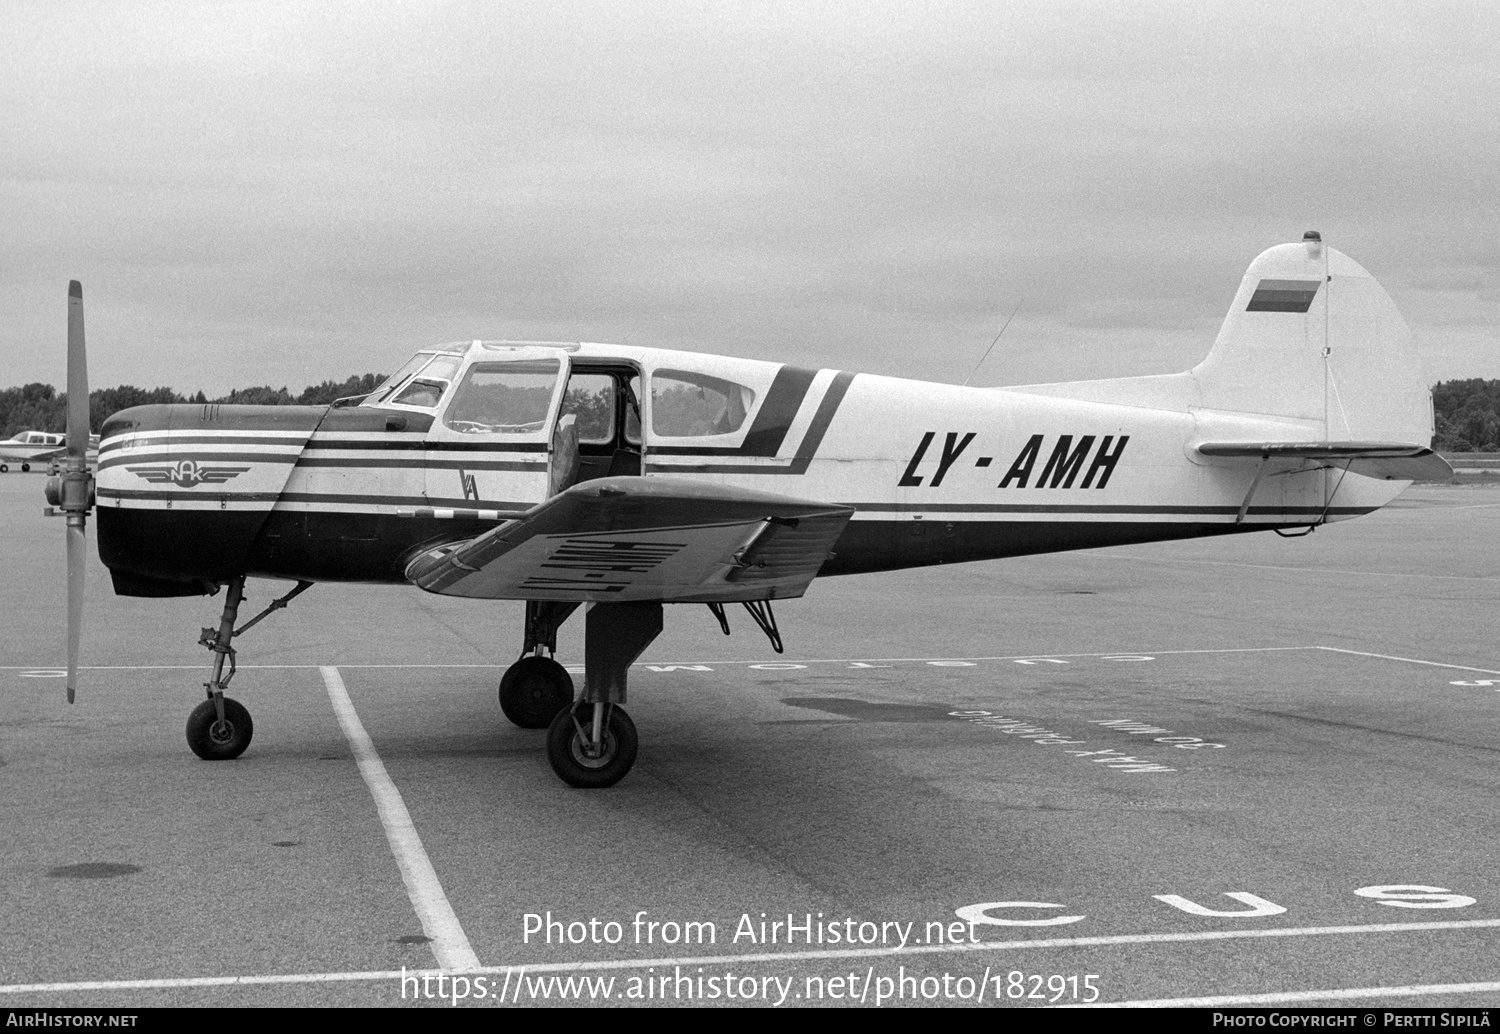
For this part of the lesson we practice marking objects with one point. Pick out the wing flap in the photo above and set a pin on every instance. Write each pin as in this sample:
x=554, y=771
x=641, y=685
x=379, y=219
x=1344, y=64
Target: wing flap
x=628, y=539
x=1389, y=461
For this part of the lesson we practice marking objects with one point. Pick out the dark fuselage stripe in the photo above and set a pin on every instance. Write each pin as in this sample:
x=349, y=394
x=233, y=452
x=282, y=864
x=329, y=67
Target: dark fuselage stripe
x=330, y=445
x=417, y=463
x=217, y=457
x=1186, y=511
x=327, y=498
x=231, y=440
x=157, y=440
x=783, y=403
x=188, y=495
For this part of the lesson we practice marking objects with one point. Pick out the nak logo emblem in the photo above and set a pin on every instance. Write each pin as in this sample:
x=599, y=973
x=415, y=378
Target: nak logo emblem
x=187, y=474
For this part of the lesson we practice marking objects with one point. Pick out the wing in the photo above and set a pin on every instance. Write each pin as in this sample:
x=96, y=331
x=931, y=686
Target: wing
x=1390, y=461
x=626, y=539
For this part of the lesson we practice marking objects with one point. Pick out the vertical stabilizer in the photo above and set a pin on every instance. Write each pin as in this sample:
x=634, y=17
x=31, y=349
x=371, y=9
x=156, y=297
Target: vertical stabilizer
x=1312, y=336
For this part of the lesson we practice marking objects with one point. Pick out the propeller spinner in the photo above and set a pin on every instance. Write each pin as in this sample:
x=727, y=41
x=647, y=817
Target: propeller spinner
x=73, y=493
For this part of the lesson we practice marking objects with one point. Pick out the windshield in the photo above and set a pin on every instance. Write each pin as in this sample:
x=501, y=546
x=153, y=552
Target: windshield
x=434, y=373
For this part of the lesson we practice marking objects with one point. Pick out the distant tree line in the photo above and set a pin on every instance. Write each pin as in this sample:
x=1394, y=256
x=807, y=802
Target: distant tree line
x=1468, y=412
x=41, y=407
x=1467, y=415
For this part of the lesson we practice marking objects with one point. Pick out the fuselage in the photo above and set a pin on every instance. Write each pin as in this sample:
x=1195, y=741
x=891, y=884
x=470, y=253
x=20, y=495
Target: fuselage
x=30, y=446
x=465, y=437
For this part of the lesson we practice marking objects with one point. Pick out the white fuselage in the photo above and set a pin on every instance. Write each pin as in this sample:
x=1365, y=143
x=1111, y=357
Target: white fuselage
x=30, y=446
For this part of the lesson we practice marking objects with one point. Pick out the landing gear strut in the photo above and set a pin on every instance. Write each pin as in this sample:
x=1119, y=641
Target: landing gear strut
x=593, y=744
x=220, y=728
x=535, y=688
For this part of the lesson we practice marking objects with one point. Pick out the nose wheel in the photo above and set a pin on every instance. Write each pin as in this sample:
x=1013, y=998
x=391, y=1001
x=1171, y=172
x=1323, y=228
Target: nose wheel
x=533, y=690
x=592, y=746
x=216, y=739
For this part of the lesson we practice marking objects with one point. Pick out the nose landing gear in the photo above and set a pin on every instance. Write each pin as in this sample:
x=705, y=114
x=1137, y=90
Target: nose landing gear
x=219, y=729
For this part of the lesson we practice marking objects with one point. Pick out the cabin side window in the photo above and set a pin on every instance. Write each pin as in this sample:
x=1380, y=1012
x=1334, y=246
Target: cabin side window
x=696, y=405
x=504, y=398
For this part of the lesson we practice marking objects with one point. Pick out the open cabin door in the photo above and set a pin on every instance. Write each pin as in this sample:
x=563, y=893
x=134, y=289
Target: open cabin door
x=492, y=446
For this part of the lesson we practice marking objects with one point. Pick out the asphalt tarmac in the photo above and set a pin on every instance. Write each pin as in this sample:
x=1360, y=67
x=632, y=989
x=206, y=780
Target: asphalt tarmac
x=1237, y=771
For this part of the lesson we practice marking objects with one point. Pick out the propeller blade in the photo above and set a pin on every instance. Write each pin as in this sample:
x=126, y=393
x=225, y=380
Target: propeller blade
x=77, y=564
x=78, y=376
x=77, y=488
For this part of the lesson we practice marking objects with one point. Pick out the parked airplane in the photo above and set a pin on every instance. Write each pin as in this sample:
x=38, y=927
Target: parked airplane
x=29, y=447
x=627, y=478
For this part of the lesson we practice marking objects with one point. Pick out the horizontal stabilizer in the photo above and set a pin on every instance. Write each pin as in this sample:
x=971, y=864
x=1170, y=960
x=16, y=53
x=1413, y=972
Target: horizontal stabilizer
x=1389, y=461
x=626, y=539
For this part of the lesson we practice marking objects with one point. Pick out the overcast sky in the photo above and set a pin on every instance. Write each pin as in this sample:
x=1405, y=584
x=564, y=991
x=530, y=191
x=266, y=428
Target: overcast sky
x=282, y=193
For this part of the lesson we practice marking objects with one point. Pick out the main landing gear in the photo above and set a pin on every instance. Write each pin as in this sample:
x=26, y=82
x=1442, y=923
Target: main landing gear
x=591, y=746
x=220, y=728
x=591, y=742
x=535, y=688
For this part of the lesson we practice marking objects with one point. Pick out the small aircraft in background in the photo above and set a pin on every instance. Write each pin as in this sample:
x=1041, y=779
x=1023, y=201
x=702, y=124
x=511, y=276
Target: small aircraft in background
x=29, y=447
x=628, y=478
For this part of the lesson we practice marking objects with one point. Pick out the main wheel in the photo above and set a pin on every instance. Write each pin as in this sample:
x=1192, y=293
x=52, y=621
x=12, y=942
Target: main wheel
x=578, y=765
x=533, y=690
x=212, y=740
x=26, y=468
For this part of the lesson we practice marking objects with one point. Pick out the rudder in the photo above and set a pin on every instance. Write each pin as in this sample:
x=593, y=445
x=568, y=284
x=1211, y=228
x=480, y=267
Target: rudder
x=1312, y=336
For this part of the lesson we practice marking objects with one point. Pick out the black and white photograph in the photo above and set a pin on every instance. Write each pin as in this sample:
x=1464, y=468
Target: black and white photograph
x=774, y=504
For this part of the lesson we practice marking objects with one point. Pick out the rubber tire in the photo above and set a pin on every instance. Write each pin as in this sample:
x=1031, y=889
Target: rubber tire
x=4, y=468
x=621, y=743
x=26, y=468
x=533, y=690
x=200, y=731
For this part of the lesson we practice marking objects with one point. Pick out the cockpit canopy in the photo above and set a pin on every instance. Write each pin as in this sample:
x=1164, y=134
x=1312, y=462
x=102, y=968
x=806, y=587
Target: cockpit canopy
x=508, y=388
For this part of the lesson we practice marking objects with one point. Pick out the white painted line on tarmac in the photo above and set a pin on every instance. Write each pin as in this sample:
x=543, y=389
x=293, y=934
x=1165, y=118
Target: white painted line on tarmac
x=449, y=944
x=1343, y=994
x=813, y=955
x=33, y=671
x=740, y=661
x=1408, y=660
x=1293, y=570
